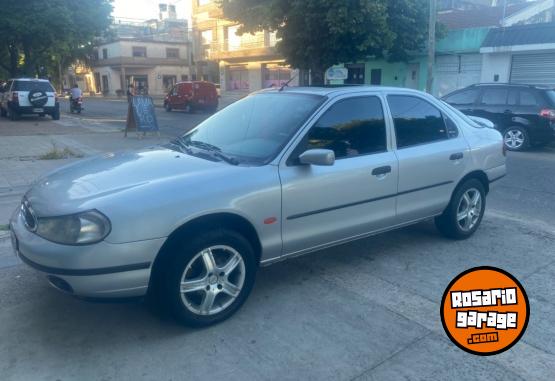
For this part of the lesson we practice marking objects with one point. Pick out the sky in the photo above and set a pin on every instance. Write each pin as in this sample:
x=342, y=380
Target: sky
x=147, y=9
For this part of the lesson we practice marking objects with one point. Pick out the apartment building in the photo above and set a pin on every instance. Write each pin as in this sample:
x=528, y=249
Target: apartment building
x=150, y=55
x=240, y=63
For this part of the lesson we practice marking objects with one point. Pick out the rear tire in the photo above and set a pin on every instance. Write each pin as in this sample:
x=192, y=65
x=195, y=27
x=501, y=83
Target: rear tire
x=167, y=107
x=217, y=268
x=516, y=139
x=465, y=211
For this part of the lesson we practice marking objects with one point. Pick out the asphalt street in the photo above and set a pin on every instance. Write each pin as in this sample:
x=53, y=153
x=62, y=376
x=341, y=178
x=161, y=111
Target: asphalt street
x=368, y=310
x=114, y=112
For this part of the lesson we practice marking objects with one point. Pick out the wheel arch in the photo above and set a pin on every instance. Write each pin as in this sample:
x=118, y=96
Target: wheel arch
x=476, y=174
x=220, y=220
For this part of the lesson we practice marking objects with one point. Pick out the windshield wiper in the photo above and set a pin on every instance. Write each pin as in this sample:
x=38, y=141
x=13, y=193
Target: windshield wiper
x=214, y=150
x=179, y=143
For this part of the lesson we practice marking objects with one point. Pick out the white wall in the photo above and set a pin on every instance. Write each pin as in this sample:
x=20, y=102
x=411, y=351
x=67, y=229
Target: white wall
x=496, y=63
x=153, y=49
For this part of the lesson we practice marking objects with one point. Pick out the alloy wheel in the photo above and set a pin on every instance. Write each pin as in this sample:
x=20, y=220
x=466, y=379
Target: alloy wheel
x=514, y=138
x=469, y=209
x=212, y=280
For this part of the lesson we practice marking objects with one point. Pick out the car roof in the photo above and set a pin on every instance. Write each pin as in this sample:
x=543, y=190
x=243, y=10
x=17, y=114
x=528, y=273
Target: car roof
x=30, y=79
x=493, y=84
x=339, y=90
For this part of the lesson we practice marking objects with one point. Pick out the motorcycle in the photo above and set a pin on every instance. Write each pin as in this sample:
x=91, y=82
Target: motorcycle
x=76, y=105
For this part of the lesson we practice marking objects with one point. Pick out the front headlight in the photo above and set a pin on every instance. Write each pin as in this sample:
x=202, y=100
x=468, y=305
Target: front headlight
x=76, y=229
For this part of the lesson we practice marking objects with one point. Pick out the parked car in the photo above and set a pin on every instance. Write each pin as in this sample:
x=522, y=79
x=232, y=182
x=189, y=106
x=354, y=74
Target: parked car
x=192, y=96
x=28, y=96
x=193, y=220
x=524, y=114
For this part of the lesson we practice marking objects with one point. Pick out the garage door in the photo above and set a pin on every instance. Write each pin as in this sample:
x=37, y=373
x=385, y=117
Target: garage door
x=534, y=69
x=454, y=72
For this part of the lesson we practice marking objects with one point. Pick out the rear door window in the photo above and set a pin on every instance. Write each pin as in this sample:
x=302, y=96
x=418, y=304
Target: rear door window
x=33, y=85
x=551, y=96
x=466, y=97
x=495, y=96
x=416, y=121
x=513, y=98
x=527, y=98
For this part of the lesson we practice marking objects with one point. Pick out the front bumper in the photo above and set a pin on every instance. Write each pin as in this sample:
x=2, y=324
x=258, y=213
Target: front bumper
x=102, y=270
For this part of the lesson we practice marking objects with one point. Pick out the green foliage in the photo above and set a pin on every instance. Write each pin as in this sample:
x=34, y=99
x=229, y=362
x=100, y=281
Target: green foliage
x=316, y=34
x=43, y=33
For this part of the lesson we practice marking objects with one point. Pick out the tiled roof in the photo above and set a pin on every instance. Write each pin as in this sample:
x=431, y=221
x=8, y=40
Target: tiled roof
x=476, y=18
x=521, y=35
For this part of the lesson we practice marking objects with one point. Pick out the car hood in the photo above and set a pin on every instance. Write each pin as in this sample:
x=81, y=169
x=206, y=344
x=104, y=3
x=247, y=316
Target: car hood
x=69, y=187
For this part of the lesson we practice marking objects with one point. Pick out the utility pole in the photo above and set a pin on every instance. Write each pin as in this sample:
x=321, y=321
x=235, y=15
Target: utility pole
x=431, y=45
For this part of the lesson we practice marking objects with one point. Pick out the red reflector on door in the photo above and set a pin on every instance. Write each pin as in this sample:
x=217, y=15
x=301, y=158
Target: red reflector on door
x=270, y=220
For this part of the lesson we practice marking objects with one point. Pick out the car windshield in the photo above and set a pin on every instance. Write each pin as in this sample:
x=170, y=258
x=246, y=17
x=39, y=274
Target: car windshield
x=255, y=129
x=551, y=96
x=463, y=116
x=33, y=85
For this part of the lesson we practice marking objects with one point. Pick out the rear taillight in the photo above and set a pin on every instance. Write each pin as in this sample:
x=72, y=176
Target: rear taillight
x=15, y=97
x=548, y=113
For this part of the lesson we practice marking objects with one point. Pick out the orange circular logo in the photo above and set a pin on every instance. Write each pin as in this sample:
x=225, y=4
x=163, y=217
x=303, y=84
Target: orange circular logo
x=485, y=311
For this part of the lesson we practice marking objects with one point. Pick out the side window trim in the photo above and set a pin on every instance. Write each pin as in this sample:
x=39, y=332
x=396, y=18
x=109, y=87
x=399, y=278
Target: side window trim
x=293, y=154
x=393, y=132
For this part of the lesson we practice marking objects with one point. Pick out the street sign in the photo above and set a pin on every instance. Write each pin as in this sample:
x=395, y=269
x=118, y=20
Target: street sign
x=337, y=73
x=141, y=115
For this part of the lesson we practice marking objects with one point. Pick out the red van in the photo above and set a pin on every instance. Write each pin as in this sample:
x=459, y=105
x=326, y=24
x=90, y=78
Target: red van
x=191, y=96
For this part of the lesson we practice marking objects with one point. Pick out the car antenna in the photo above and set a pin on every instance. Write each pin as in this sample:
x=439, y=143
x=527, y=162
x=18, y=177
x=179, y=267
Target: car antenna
x=287, y=83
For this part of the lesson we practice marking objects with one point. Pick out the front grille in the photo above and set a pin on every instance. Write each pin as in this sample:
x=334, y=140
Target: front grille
x=28, y=216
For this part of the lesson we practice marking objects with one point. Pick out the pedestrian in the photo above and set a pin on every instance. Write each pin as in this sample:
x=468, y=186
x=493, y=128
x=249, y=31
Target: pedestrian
x=130, y=93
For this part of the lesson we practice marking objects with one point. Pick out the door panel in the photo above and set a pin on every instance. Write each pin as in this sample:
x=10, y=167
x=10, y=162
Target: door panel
x=427, y=177
x=432, y=157
x=356, y=195
x=327, y=204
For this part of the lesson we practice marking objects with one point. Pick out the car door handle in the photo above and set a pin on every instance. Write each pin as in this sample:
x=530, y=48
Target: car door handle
x=381, y=170
x=456, y=156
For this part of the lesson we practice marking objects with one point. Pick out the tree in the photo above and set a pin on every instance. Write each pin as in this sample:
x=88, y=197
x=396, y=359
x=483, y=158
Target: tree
x=36, y=36
x=316, y=34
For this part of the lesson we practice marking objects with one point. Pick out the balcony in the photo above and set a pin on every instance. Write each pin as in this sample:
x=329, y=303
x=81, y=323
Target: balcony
x=248, y=46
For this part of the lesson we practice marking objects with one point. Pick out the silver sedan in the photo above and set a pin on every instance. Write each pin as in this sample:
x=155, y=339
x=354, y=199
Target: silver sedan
x=275, y=175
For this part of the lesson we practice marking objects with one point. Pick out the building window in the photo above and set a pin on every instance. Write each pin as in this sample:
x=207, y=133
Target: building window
x=276, y=76
x=172, y=53
x=139, y=51
x=169, y=81
x=104, y=54
x=163, y=7
x=95, y=55
x=184, y=77
x=172, y=8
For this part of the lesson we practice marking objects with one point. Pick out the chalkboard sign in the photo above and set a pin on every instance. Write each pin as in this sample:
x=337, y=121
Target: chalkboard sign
x=141, y=115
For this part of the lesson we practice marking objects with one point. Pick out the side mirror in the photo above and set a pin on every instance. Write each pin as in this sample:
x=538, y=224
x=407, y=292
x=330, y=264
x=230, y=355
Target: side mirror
x=317, y=157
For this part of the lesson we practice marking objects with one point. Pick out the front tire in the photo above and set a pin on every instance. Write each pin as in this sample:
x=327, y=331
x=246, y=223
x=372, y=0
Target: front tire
x=516, y=139
x=167, y=107
x=465, y=211
x=208, y=278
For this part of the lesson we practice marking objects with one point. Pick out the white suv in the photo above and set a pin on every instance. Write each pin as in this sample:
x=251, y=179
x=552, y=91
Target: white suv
x=28, y=96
